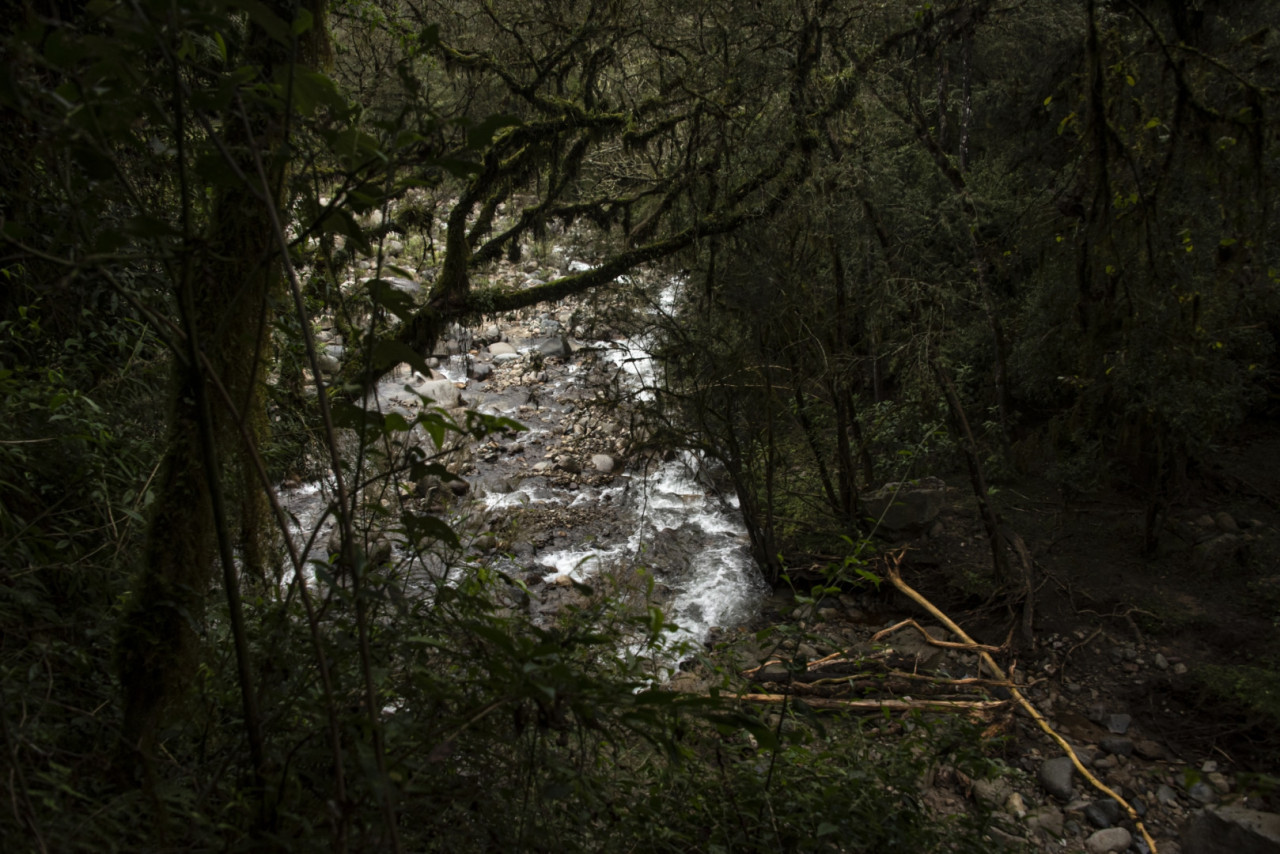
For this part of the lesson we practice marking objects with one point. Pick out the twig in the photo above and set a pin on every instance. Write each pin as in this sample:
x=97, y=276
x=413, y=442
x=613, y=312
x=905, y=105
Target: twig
x=934, y=642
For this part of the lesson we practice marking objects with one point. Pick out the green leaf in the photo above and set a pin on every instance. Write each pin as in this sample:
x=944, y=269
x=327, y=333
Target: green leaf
x=394, y=300
x=312, y=89
x=387, y=354
x=303, y=23
x=423, y=527
x=342, y=221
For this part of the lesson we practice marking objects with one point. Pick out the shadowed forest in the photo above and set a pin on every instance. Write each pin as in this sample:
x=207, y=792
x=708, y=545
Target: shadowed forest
x=1023, y=246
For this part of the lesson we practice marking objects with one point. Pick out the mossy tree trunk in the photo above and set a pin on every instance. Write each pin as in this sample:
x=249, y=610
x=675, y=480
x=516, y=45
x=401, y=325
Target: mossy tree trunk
x=230, y=269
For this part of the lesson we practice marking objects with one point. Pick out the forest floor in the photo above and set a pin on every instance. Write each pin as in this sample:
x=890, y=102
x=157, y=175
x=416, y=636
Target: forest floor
x=1160, y=670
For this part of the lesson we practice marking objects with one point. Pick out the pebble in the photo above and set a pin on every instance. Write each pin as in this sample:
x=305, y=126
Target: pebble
x=1110, y=839
x=1162, y=662
x=1166, y=795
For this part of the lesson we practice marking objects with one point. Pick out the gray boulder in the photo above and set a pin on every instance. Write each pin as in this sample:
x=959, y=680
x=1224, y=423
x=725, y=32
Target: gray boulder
x=1231, y=830
x=443, y=392
x=905, y=509
x=502, y=348
x=552, y=347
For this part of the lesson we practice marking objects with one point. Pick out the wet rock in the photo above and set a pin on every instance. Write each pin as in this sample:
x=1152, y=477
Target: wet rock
x=569, y=464
x=1111, y=839
x=1166, y=795
x=1057, y=776
x=603, y=463
x=1231, y=830
x=480, y=371
x=905, y=509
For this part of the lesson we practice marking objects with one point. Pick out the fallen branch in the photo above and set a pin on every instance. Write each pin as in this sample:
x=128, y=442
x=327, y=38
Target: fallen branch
x=929, y=639
x=902, y=705
x=895, y=577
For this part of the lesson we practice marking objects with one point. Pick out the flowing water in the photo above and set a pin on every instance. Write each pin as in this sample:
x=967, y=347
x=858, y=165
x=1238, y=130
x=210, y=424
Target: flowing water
x=666, y=518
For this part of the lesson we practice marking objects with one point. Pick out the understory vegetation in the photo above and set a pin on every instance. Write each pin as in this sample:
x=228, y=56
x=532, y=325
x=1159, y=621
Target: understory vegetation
x=1003, y=237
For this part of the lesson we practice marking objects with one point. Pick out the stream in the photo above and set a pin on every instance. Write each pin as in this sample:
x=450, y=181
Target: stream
x=563, y=501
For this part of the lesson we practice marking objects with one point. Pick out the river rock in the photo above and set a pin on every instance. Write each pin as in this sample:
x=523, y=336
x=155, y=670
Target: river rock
x=1046, y=818
x=905, y=509
x=569, y=464
x=1103, y=813
x=552, y=347
x=481, y=371
x=502, y=348
x=1057, y=776
x=1231, y=830
x=328, y=363
x=443, y=392
x=603, y=463
x=1110, y=839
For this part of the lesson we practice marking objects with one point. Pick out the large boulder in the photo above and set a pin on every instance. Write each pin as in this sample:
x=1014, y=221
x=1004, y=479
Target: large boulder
x=501, y=348
x=905, y=509
x=443, y=392
x=1231, y=830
